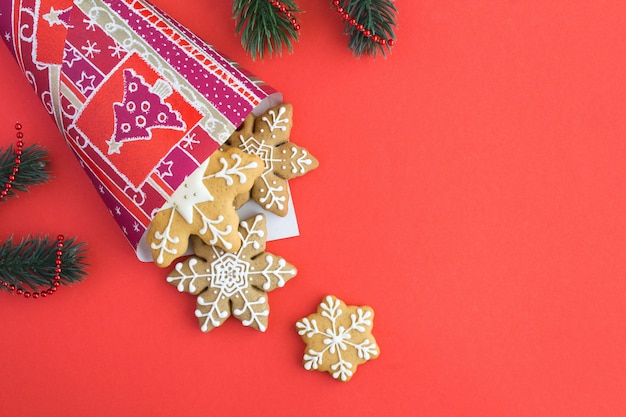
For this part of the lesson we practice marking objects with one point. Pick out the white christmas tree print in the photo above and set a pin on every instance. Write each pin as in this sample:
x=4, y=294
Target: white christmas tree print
x=203, y=206
x=233, y=283
x=142, y=109
x=338, y=338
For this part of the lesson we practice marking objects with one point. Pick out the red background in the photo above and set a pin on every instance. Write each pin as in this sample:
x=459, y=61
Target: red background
x=471, y=189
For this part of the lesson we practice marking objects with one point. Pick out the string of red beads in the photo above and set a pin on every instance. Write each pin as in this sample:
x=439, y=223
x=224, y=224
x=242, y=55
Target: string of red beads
x=56, y=281
x=366, y=32
x=18, y=160
x=283, y=9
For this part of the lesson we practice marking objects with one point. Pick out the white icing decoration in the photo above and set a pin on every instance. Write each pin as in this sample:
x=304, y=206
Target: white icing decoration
x=191, y=192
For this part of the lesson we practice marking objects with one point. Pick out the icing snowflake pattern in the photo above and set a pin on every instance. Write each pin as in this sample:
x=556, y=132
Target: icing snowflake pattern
x=267, y=136
x=203, y=206
x=233, y=283
x=338, y=338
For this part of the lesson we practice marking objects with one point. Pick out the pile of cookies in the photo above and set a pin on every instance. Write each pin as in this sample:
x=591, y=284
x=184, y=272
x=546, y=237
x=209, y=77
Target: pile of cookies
x=229, y=270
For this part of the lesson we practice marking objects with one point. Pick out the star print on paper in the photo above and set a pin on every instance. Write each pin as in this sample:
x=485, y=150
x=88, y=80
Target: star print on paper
x=86, y=83
x=338, y=338
x=142, y=109
x=203, y=206
x=233, y=283
x=58, y=17
x=268, y=137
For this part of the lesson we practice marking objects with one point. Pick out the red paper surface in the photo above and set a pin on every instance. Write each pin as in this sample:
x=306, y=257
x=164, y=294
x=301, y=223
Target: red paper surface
x=471, y=190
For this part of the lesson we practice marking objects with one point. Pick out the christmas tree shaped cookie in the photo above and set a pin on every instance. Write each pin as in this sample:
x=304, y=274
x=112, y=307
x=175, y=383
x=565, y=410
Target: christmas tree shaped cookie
x=267, y=136
x=203, y=206
x=233, y=283
x=142, y=109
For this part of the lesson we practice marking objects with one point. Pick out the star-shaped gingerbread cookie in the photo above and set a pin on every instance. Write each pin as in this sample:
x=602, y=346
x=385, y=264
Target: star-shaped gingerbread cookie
x=203, y=206
x=267, y=136
x=233, y=283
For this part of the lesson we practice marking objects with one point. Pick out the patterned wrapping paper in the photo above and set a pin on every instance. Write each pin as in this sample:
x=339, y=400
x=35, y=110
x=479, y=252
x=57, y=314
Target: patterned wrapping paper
x=140, y=100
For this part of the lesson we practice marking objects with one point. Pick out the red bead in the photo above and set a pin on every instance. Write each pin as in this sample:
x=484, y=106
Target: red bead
x=293, y=21
x=27, y=294
x=353, y=22
x=346, y=16
x=282, y=9
x=35, y=295
x=5, y=284
x=289, y=15
x=18, y=126
x=56, y=284
x=19, y=152
x=12, y=287
x=50, y=291
x=296, y=27
x=8, y=185
x=59, y=252
x=367, y=33
x=43, y=293
x=57, y=270
x=18, y=160
x=336, y=3
x=19, y=135
x=12, y=177
x=382, y=42
x=60, y=238
x=20, y=143
x=360, y=27
x=391, y=42
x=58, y=262
x=19, y=291
x=340, y=10
x=375, y=38
x=4, y=193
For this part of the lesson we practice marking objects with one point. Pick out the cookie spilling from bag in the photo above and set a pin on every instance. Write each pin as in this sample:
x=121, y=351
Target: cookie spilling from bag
x=233, y=283
x=203, y=206
x=268, y=137
x=255, y=163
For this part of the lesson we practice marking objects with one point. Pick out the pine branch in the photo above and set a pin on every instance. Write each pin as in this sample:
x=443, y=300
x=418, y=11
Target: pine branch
x=378, y=17
x=32, y=168
x=31, y=262
x=263, y=27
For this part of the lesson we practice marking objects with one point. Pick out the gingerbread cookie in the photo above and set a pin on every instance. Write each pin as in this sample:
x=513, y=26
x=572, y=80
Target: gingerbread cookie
x=203, y=206
x=338, y=338
x=233, y=283
x=267, y=136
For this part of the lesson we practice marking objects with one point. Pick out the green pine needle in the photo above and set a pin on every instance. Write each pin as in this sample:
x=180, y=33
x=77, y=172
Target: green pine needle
x=263, y=27
x=378, y=16
x=31, y=262
x=32, y=168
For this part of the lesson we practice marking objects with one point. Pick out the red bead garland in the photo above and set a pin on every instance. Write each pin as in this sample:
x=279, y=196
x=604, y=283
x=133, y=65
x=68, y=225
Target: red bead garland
x=366, y=32
x=18, y=160
x=283, y=9
x=56, y=281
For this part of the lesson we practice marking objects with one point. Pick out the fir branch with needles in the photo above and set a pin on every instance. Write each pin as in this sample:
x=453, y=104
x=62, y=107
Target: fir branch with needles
x=32, y=168
x=31, y=262
x=378, y=20
x=263, y=27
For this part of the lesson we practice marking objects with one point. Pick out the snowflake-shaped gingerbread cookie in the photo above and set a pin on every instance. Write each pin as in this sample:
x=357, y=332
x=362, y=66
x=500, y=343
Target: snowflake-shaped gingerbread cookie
x=338, y=338
x=267, y=136
x=203, y=206
x=235, y=283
